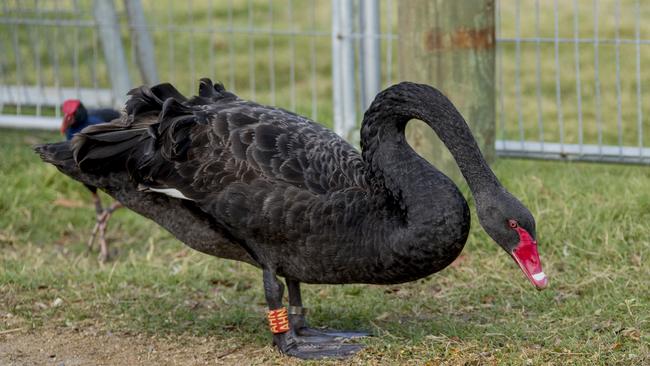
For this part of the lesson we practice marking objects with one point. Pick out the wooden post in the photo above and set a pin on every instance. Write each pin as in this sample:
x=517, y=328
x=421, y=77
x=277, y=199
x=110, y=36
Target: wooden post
x=451, y=45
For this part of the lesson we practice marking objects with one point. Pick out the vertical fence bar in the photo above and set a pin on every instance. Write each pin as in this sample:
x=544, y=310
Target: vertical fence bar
x=370, y=52
x=313, y=59
x=617, y=48
x=639, y=100
x=251, y=51
x=271, y=54
x=231, y=49
x=20, y=79
x=357, y=39
x=35, y=41
x=3, y=67
x=558, y=89
x=337, y=102
x=576, y=43
x=144, y=50
x=389, y=43
x=190, y=33
x=106, y=18
x=599, y=119
x=55, y=65
x=347, y=69
x=75, y=58
x=538, y=77
x=132, y=44
x=212, y=32
x=93, y=66
x=520, y=117
x=292, y=59
x=502, y=123
x=170, y=41
x=343, y=67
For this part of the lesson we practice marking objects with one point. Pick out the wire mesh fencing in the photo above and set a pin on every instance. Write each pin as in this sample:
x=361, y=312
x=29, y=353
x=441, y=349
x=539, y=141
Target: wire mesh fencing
x=570, y=74
x=276, y=52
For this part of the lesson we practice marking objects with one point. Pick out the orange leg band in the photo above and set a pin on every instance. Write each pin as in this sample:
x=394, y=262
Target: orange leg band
x=278, y=320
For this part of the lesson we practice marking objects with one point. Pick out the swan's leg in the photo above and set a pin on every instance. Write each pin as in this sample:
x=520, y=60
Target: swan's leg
x=285, y=338
x=299, y=323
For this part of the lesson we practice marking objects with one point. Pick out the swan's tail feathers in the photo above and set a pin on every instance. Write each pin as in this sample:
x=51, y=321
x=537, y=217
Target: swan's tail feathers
x=210, y=93
x=58, y=154
x=104, y=148
x=155, y=130
x=144, y=100
x=134, y=143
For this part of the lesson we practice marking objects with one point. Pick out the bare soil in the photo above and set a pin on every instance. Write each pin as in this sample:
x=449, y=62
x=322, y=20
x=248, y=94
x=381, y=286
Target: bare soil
x=68, y=347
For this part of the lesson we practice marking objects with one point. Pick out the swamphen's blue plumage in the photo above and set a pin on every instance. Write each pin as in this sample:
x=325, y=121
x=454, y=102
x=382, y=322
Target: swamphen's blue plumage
x=77, y=117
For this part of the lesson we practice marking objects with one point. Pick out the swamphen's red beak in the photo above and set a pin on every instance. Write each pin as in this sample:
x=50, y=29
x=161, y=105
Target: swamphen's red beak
x=69, y=108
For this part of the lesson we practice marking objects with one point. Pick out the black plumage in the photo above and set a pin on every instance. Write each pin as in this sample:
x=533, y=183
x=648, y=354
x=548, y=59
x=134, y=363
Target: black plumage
x=269, y=187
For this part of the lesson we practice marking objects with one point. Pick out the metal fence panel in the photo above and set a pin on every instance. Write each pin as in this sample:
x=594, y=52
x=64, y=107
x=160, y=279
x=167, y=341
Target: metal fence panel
x=570, y=79
x=570, y=74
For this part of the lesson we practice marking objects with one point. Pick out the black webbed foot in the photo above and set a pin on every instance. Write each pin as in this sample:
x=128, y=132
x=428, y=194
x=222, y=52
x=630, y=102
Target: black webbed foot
x=302, y=329
x=333, y=333
x=311, y=348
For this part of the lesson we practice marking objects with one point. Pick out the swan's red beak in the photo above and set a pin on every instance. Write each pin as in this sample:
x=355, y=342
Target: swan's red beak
x=527, y=257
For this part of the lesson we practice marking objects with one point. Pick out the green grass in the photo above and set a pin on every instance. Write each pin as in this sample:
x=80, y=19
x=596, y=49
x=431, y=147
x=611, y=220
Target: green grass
x=593, y=233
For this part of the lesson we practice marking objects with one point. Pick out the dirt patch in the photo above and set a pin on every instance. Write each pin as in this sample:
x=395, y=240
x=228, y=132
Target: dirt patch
x=66, y=347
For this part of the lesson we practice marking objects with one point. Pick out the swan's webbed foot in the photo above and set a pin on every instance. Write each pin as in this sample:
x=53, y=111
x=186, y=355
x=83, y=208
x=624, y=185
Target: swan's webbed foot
x=311, y=348
x=299, y=325
x=325, y=332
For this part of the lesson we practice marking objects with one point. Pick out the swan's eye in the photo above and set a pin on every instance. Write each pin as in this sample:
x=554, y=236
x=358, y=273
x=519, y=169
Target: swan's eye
x=513, y=224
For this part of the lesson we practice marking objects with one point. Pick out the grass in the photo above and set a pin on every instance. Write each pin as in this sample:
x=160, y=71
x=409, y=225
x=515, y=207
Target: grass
x=592, y=224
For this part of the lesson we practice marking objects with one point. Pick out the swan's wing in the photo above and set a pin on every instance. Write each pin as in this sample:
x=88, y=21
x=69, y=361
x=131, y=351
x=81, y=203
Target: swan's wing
x=200, y=146
x=275, y=183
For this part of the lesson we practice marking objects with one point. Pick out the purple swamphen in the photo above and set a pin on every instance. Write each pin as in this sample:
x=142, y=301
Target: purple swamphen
x=75, y=118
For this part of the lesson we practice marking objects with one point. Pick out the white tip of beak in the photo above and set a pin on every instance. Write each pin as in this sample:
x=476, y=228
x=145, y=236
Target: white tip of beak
x=539, y=276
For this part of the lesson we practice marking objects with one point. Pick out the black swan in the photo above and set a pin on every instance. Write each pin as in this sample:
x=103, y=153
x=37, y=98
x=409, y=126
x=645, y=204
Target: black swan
x=238, y=180
x=75, y=118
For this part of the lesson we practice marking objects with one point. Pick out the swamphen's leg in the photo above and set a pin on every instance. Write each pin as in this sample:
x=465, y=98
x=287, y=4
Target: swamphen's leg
x=102, y=216
x=102, y=222
x=297, y=318
x=284, y=336
x=99, y=209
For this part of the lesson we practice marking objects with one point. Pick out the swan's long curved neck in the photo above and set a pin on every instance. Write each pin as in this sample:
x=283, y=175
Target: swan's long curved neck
x=435, y=216
x=384, y=145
